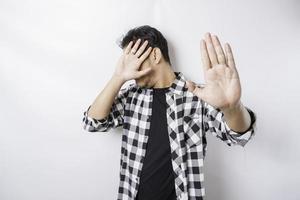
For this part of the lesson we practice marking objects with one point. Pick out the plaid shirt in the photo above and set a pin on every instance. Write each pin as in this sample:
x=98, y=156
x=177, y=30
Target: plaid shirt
x=189, y=120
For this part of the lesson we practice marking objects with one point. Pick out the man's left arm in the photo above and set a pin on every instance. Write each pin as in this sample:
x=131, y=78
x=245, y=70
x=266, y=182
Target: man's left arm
x=225, y=115
x=216, y=124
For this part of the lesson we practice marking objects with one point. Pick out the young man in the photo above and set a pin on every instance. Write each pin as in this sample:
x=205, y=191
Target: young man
x=165, y=117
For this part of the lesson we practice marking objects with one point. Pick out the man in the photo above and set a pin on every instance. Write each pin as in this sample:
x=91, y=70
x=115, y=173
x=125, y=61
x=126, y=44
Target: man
x=165, y=117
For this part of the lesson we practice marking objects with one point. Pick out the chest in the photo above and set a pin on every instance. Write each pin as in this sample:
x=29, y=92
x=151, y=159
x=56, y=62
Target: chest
x=185, y=132
x=183, y=114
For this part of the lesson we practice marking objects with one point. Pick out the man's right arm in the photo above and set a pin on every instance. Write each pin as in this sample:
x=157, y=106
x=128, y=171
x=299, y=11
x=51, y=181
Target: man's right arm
x=100, y=108
x=106, y=111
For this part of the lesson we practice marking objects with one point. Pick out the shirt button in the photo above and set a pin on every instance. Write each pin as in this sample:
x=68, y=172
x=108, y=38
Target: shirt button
x=206, y=126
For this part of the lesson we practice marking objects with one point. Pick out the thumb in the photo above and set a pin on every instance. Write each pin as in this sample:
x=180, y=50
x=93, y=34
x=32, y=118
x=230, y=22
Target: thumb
x=198, y=91
x=190, y=85
x=142, y=72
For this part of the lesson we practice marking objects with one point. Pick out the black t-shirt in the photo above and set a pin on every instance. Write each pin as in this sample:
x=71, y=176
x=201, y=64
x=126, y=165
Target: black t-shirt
x=157, y=178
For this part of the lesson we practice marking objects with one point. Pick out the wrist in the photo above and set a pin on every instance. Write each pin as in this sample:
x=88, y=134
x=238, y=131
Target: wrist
x=233, y=108
x=118, y=78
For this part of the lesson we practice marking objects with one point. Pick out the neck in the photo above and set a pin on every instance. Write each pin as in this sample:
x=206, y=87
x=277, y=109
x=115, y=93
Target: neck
x=164, y=76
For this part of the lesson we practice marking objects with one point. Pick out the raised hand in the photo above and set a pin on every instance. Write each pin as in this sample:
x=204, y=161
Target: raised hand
x=222, y=88
x=129, y=63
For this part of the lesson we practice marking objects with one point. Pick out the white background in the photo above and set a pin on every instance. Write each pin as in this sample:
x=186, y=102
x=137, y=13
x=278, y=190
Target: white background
x=56, y=56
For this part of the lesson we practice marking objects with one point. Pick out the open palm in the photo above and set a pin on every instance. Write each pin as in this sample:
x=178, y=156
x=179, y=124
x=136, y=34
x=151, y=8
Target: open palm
x=222, y=88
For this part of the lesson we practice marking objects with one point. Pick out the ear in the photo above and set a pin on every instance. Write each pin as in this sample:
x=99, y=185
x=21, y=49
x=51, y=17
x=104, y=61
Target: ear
x=157, y=55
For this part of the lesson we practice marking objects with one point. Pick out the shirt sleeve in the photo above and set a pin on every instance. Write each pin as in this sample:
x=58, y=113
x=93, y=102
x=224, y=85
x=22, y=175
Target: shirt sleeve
x=113, y=119
x=215, y=124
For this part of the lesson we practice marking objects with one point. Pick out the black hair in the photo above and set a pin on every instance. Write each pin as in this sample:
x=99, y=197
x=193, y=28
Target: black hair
x=155, y=39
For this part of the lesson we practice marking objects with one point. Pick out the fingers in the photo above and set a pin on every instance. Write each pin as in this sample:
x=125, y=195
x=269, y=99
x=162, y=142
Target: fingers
x=128, y=48
x=211, y=50
x=145, y=55
x=141, y=49
x=136, y=50
x=204, y=55
x=135, y=47
x=219, y=50
x=229, y=55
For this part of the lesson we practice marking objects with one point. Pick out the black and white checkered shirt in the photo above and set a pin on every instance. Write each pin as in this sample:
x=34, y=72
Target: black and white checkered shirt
x=189, y=120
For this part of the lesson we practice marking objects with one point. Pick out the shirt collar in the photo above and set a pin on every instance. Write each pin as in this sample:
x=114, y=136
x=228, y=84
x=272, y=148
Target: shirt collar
x=177, y=85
